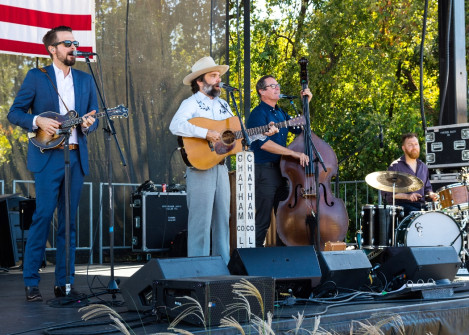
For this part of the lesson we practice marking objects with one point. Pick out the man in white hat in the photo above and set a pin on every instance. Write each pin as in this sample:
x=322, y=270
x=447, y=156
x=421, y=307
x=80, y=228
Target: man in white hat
x=208, y=191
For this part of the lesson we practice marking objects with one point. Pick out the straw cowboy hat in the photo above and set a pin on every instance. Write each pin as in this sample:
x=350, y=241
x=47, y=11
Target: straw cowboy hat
x=202, y=66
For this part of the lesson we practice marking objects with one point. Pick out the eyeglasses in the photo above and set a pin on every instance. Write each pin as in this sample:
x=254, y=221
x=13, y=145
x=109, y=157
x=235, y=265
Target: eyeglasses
x=67, y=43
x=273, y=86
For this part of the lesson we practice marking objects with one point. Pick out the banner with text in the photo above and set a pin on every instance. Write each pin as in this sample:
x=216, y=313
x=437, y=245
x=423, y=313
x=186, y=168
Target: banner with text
x=245, y=200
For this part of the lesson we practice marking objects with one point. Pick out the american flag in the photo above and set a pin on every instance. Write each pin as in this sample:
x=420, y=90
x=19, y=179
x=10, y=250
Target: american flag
x=23, y=23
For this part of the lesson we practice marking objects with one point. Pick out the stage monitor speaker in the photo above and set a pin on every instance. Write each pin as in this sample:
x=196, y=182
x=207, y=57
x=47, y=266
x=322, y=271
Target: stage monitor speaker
x=137, y=290
x=402, y=264
x=295, y=269
x=348, y=269
x=215, y=296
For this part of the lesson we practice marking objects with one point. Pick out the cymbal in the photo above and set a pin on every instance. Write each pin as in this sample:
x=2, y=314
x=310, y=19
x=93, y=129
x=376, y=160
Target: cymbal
x=384, y=180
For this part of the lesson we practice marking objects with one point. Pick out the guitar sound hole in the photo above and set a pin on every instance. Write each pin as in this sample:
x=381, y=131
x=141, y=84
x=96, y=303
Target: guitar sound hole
x=228, y=137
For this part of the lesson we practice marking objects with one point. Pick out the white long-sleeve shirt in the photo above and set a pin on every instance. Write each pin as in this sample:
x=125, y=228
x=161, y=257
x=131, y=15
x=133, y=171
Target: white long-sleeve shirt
x=198, y=105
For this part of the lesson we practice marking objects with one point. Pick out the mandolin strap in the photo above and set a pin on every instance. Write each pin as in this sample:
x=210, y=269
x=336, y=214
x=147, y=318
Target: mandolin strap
x=55, y=88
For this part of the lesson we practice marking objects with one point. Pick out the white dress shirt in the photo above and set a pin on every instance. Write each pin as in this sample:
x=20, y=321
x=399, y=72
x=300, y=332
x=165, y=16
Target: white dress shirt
x=198, y=105
x=67, y=92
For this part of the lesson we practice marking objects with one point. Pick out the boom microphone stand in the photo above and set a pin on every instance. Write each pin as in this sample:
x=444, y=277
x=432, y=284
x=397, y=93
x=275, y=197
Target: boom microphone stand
x=109, y=131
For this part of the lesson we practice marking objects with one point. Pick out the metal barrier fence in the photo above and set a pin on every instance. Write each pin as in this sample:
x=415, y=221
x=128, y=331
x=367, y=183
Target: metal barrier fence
x=120, y=205
x=355, y=194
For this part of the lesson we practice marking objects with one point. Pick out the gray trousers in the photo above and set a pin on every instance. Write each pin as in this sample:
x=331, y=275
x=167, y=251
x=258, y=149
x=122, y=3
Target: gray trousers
x=208, y=201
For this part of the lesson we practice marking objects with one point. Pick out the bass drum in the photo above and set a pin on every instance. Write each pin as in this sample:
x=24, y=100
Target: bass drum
x=429, y=229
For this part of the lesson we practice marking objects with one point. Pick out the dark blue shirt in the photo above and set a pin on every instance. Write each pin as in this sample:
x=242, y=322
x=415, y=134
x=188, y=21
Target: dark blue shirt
x=262, y=115
x=400, y=165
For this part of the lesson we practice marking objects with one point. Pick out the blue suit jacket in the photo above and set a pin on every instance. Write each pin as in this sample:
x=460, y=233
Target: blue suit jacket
x=38, y=94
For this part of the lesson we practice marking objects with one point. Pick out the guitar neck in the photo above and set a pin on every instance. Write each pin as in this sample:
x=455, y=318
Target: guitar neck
x=262, y=129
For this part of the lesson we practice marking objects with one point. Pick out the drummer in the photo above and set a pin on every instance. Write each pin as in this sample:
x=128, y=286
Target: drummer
x=410, y=163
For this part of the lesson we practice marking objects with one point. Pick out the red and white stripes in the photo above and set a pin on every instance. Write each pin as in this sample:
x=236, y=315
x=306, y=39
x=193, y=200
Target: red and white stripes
x=23, y=23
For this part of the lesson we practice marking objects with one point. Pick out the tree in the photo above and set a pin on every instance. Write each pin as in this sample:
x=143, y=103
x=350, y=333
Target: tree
x=363, y=70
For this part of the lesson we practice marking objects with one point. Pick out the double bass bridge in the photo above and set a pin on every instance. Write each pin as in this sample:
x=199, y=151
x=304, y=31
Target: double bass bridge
x=308, y=193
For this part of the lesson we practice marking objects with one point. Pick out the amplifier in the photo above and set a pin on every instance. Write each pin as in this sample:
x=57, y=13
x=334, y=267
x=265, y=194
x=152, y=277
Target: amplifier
x=447, y=146
x=216, y=298
x=157, y=217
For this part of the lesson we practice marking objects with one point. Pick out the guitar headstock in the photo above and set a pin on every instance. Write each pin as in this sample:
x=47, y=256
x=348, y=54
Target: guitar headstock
x=119, y=111
x=297, y=121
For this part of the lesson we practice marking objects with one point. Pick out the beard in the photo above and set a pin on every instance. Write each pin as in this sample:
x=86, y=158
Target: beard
x=210, y=90
x=69, y=62
x=65, y=60
x=414, y=154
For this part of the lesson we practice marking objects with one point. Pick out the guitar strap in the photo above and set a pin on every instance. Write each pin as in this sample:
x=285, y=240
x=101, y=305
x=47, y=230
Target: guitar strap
x=55, y=88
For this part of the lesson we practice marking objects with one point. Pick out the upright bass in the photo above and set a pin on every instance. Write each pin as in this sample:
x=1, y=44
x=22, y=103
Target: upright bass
x=310, y=215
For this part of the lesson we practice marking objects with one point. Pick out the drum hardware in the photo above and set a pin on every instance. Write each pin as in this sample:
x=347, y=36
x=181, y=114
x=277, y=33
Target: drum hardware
x=393, y=181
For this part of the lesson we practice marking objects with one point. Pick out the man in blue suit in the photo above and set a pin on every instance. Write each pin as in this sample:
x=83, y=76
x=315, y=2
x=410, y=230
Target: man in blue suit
x=59, y=89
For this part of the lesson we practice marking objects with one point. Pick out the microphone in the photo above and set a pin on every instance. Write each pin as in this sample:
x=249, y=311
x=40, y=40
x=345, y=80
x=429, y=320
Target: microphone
x=285, y=96
x=381, y=144
x=227, y=87
x=84, y=53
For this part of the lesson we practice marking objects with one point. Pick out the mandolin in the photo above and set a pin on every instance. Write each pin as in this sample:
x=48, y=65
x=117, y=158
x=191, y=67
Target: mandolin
x=44, y=141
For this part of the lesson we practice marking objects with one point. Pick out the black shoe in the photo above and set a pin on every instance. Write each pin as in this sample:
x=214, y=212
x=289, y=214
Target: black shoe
x=60, y=292
x=33, y=293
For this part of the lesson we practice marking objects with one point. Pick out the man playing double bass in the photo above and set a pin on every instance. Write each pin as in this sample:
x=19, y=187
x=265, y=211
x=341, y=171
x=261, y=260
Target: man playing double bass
x=270, y=185
x=409, y=163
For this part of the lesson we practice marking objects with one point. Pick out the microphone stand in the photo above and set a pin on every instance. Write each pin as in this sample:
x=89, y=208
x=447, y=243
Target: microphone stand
x=109, y=130
x=246, y=141
x=67, y=133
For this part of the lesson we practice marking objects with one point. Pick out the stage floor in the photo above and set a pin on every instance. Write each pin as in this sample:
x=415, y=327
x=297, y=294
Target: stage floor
x=448, y=316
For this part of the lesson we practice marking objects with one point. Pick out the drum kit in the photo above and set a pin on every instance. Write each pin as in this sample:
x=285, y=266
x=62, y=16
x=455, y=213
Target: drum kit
x=443, y=224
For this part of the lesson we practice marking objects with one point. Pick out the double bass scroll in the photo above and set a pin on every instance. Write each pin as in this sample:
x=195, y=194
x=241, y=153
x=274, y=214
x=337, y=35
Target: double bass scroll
x=310, y=215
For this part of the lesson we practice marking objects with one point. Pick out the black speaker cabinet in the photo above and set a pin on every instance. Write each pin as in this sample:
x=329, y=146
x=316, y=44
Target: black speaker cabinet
x=293, y=268
x=345, y=269
x=137, y=290
x=216, y=297
x=157, y=217
x=10, y=230
x=26, y=208
x=7, y=252
x=402, y=264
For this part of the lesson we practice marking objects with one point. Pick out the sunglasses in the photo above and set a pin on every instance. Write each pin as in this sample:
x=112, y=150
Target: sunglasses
x=273, y=86
x=67, y=43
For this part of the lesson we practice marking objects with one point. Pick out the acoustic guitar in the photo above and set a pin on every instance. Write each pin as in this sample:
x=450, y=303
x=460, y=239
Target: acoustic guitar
x=44, y=141
x=203, y=155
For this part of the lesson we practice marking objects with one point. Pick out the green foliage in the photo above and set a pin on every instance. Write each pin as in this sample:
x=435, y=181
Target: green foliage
x=363, y=71
x=11, y=77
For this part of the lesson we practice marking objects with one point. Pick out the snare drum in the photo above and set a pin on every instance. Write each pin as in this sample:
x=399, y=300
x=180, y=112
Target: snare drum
x=377, y=225
x=429, y=229
x=454, y=197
